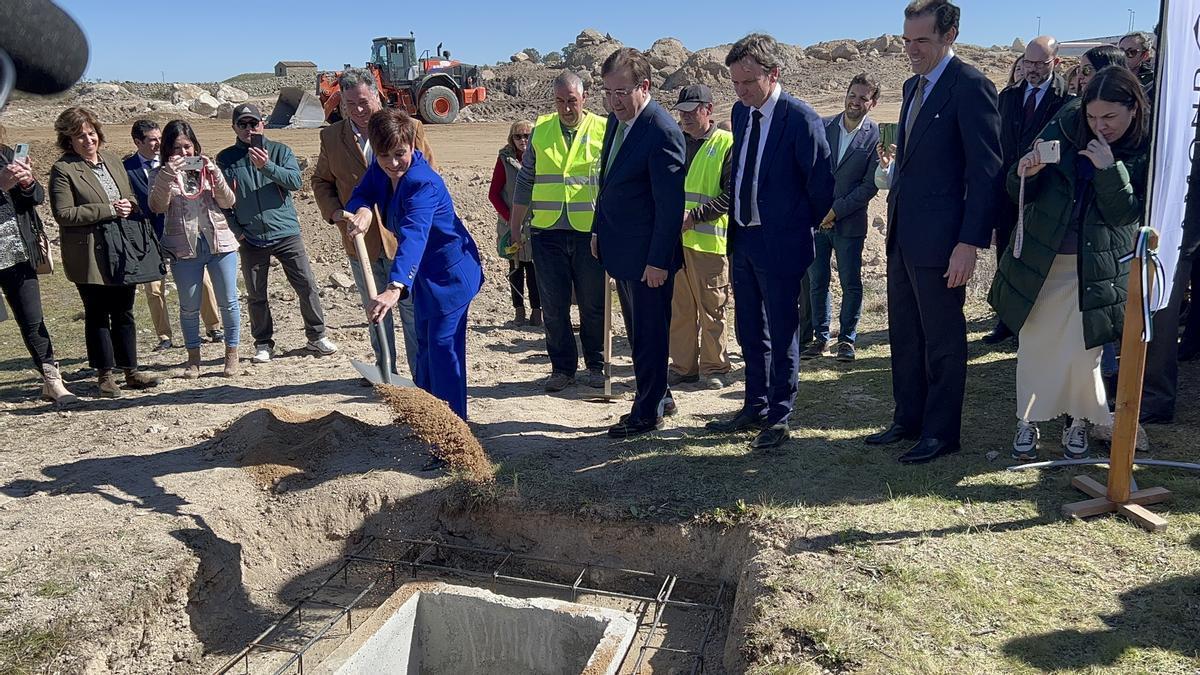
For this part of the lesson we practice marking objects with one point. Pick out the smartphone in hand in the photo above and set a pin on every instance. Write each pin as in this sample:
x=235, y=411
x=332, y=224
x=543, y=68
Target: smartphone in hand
x=1049, y=152
x=21, y=152
x=256, y=141
x=193, y=163
x=888, y=133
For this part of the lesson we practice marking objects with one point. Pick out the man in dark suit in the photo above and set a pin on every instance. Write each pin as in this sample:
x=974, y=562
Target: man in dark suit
x=782, y=183
x=636, y=233
x=146, y=138
x=1025, y=109
x=944, y=188
x=852, y=137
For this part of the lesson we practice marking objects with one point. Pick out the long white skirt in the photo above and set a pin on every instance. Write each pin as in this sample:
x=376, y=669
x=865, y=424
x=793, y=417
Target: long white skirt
x=1056, y=374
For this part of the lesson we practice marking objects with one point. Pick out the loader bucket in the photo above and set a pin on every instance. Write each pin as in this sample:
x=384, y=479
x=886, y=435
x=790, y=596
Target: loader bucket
x=296, y=109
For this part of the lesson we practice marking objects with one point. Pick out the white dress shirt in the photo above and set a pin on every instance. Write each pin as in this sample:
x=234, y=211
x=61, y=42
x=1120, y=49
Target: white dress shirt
x=764, y=126
x=846, y=137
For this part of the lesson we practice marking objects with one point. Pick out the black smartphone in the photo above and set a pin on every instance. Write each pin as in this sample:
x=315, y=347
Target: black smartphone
x=256, y=141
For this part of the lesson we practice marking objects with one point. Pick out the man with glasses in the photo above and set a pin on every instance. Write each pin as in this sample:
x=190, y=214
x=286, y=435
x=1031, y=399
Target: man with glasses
x=1139, y=56
x=1024, y=112
x=558, y=182
x=263, y=175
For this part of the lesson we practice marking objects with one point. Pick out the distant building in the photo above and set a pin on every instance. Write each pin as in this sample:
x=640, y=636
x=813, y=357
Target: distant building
x=1078, y=47
x=289, y=68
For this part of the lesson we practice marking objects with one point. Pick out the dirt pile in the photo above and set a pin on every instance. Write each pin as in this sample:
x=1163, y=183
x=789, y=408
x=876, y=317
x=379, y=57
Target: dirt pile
x=449, y=438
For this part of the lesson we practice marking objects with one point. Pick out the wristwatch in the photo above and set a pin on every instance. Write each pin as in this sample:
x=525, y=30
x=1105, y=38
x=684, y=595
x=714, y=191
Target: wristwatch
x=395, y=285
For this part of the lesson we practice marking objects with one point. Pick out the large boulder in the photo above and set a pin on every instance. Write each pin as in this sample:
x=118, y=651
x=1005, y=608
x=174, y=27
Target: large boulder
x=667, y=54
x=845, y=50
x=205, y=105
x=519, y=57
x=1018, y=45
x=592, y=58
x=706, y=66
x=102, y=91
x=589, y=37
x=230, y=93
x=184, y=92
x=487, y=74
x=225, y=111
x=819, y=52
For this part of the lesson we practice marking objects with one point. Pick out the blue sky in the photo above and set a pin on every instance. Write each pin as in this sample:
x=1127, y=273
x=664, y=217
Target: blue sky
x=215, y=39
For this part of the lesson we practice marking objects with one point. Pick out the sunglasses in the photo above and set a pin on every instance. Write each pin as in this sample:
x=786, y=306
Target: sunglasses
x=1134, y=52
x=521, y=137
x=248, y=124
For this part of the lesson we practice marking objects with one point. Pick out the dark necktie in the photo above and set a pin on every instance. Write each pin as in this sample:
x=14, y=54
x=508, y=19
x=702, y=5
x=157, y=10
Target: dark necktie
x=915, y=108
x=749, y=171
x=1030, y=108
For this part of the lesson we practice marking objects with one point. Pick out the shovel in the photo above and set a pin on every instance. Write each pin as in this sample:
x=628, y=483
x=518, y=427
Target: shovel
x=380, y=372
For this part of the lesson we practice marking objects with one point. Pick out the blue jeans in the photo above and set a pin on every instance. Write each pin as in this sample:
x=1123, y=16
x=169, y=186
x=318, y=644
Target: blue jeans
x=564, y=261
x=189, y=277
x=849, y=262
x=381, y=268
x=1108, y=360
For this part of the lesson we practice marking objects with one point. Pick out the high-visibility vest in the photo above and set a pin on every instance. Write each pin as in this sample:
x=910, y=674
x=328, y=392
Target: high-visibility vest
x=702, y=185
x=566, y=177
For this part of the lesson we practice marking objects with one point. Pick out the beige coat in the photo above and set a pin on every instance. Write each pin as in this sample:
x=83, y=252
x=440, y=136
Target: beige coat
x=79, y=203
x=187, y=218
x=340, y=166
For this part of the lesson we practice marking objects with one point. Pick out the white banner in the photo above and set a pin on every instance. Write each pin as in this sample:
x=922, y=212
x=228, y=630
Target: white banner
x=1178, y=99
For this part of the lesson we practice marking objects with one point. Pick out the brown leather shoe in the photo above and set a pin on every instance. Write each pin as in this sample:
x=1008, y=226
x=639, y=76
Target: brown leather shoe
x=191, y=369
x=232, y=366
x=108, y=385
x=136, y=379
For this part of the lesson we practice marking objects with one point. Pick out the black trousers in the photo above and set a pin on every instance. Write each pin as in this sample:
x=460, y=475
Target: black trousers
x=1161, y=380
x=108, y=325
x=24, y=295
x=647, y=314
x=523, y=279
x=928, y=335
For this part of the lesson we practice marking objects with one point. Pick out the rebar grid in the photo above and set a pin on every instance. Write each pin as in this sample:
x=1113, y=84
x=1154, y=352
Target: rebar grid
x=425, y=556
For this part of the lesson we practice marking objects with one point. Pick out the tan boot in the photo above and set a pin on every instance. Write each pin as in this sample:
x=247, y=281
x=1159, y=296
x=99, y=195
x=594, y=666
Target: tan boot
x=232, y=367
x=52, y=386
x=135, y=379
x=191, y=370
x=108, y=385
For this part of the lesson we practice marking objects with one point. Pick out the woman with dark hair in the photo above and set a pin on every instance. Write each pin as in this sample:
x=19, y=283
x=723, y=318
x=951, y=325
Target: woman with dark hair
x=197, y=237
x=1016, y=74
x=436, y=258
x=21, y=255
x=1061, y=284
x=521, y=275
x=1097, y=59
x=89, y=190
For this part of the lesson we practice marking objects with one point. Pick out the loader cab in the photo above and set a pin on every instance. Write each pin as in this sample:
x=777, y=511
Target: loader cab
x=396, y=58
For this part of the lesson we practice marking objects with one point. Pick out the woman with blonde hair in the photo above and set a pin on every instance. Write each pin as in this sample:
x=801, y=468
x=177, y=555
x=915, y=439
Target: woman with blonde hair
x=521, y=275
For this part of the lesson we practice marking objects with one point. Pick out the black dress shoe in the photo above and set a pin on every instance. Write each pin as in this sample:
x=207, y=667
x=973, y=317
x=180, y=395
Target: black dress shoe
x=628, y=428
x=927, y=450
x=892, y=434
x=1155, y=418
x=999, y=334
x=771, y=437
x=743, y=421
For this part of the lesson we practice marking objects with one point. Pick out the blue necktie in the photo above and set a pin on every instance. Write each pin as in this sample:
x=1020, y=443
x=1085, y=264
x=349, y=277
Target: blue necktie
x=749, y=172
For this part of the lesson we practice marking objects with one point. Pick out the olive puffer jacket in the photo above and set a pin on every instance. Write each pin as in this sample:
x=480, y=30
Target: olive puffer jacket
x=1108, y=226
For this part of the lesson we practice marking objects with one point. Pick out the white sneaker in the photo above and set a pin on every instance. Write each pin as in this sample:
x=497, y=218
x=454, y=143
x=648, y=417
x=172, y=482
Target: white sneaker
x=1025, y=443
x=323, y=346
x=1075, y=441
x=261, y=355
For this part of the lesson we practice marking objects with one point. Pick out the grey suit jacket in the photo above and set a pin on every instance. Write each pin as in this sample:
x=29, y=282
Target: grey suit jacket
x=853, y=176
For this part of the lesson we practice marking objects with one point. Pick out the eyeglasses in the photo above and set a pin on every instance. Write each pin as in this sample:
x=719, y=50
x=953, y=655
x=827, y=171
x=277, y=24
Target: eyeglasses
x=1036, y=64
x=1134, y=52
x=521, y=137
x=615, y=93
x=248, y=124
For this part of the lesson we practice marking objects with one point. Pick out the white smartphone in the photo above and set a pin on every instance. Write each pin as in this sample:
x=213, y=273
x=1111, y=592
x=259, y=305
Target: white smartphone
x=1049, y=152
x=193, y=163
x=21, y=152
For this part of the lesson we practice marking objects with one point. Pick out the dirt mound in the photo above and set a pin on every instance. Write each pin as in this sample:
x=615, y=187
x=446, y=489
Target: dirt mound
x=282, y=449
x=449, y=438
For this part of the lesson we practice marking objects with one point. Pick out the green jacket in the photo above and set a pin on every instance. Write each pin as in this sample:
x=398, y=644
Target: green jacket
x=264, y=212
x=1106, y=235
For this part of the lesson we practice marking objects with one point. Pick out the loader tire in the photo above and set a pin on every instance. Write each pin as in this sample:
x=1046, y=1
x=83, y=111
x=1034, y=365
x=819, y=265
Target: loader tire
x=438, y=105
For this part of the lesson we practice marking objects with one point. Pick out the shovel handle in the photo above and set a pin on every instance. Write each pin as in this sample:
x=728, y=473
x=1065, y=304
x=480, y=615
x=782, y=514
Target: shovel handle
x=360, y=248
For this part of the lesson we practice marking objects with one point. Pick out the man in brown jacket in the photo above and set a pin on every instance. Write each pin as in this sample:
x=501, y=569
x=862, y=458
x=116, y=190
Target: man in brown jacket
x=345, y=155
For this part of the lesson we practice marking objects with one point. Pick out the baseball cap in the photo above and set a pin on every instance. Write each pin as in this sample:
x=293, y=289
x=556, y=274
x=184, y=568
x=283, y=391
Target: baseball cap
x=692, y=96
x=246, y=110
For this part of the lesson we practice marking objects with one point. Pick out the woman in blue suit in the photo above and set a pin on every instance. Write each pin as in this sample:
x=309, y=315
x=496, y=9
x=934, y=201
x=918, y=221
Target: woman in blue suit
x=436, y=258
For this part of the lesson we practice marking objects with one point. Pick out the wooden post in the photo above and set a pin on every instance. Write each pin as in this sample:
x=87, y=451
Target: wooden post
x=1117, y=497
x=607, y=337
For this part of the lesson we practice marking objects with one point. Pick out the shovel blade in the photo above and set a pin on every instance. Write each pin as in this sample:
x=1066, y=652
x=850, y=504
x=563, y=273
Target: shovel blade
x=372, y=374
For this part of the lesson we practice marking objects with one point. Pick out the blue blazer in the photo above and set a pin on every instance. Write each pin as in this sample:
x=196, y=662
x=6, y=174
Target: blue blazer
x=436, y=258
x=141, y=188
x=639, y=211
x=946, y=180
x=795, y=183
x=853, y=176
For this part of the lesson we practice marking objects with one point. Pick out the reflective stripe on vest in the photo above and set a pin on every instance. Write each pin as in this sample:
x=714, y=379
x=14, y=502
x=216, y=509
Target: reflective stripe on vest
x=567, y=178
x=702, y=185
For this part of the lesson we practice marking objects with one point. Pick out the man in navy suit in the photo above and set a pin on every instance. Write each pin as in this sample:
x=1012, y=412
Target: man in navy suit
x=852, y=137
x=782, y=186
x=636, y=233
x=944, y=191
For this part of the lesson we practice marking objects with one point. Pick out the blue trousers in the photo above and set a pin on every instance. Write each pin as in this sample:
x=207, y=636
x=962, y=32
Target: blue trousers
x=767, y=325
x=647, y=314
x=849, y=262
x=381, y=268
x=441, y=358
x=189, y=277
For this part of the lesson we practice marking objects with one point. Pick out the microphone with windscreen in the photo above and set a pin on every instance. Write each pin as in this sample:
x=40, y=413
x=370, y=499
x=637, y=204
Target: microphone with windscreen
x=47, y=49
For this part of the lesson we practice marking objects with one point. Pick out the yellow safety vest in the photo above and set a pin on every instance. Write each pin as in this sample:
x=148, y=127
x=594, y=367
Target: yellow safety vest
x=566, y=177
x=702, y=185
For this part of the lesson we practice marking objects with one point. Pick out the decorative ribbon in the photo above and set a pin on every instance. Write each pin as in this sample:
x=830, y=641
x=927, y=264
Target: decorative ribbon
x=1152, y=294
x=1019, y=243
